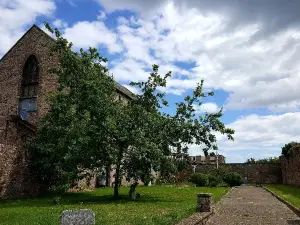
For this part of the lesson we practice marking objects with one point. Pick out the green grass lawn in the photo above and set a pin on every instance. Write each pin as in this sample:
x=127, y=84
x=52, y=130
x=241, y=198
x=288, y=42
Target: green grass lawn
x=287, y=192
x=157, y=205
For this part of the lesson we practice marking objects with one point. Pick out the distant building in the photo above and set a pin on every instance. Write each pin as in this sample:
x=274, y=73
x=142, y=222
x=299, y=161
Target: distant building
x=199, y=159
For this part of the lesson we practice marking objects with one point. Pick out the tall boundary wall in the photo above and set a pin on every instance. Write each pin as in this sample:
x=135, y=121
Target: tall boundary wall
x=256, y=173
x=291, y=167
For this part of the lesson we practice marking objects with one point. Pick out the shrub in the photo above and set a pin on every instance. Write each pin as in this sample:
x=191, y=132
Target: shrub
x=199, y=179
x=233, y=179
x=213, y=181
x=222, y=184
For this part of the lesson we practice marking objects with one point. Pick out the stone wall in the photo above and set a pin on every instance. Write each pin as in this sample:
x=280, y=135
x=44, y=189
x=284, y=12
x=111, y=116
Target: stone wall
x=257, y=173
x=291, y=167
x=14, y=178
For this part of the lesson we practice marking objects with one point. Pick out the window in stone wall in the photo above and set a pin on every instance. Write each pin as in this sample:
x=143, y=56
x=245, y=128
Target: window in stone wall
x=29, y=87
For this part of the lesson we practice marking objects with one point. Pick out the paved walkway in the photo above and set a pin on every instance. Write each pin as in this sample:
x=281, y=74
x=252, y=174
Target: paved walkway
x=251, y=206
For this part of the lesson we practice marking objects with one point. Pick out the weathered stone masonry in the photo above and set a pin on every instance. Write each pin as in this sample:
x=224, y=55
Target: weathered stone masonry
x=291, y=167
x=15, y=180
x=256, y=173
x=13, y=166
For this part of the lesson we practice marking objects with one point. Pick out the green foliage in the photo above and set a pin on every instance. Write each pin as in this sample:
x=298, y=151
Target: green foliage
x=286, y=149
x=56, y=200
x=250, y=161
x=170, y=167
x=212, y=154
x=233, y=179
x=167, y=171
x=213, y=181
x=263, y=161
x=73, y=134
x=86, y=129
x=199, y=179
x=223, y=184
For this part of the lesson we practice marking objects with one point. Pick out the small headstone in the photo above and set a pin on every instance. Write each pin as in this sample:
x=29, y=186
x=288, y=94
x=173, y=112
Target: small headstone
x=204, y=202
x=77, y=217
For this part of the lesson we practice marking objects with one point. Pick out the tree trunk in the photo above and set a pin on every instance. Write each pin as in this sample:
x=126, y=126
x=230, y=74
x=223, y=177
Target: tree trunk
x=118, y=175
x=132, y=192
x=117, y=181
x=107, y=175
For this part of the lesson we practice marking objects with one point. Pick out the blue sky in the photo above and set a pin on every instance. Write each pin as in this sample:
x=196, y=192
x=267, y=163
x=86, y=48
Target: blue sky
x=247, y=52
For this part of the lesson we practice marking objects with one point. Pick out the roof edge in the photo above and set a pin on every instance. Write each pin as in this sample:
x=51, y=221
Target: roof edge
x=119, y=87
x=33, y=26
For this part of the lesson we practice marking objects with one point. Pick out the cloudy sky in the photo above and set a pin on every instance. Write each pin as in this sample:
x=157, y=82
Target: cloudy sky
x=248, y=52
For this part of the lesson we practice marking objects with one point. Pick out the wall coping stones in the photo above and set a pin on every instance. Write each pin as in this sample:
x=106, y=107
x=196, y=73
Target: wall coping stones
x=196, y=219
x=204, y=195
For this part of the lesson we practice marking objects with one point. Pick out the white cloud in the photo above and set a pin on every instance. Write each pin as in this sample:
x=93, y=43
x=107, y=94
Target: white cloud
x=58, y=23
x=257, y=137
x=17, y=15
x=209, y=107
x=255, y=70
x=262, y=133
x=86, y=34
x=101, y=15
x=71, y=3
x=129, y=70
x=148, y=8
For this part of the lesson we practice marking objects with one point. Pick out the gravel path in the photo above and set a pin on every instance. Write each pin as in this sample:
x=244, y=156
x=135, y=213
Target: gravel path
x=252, y=206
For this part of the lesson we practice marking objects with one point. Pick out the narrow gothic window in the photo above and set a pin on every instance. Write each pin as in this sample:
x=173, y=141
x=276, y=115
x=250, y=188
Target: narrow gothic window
x=29, y=85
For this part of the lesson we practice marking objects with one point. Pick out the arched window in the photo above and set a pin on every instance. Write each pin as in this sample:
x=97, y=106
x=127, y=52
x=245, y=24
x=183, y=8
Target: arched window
x=29, y=86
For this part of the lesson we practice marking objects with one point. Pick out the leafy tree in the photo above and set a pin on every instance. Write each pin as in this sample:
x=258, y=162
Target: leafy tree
x=251, y=160
x=212, y=154
x=264, y=161
x=73, y=135
x=166, y=134
x=87, y=129
x=269, y=160
x=286, y=149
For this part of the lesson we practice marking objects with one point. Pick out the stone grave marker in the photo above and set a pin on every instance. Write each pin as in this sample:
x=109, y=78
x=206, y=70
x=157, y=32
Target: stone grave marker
x=204, y=201
x=77, y=217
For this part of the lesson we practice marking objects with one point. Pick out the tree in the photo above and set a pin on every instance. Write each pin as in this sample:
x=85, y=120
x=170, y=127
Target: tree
x=212, y=154
x=251, y=160
x=286, y=149
x=86, y=128
x=73, y=135
x=151, y=134
x=263, y=161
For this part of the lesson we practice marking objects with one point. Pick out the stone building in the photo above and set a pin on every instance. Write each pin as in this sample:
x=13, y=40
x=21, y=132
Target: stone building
x=199, y=159
x=25, y=82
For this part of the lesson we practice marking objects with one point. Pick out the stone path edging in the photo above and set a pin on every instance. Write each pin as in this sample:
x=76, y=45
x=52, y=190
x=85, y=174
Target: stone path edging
x=202, y=218
x=196, y=219
x=291, y=207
